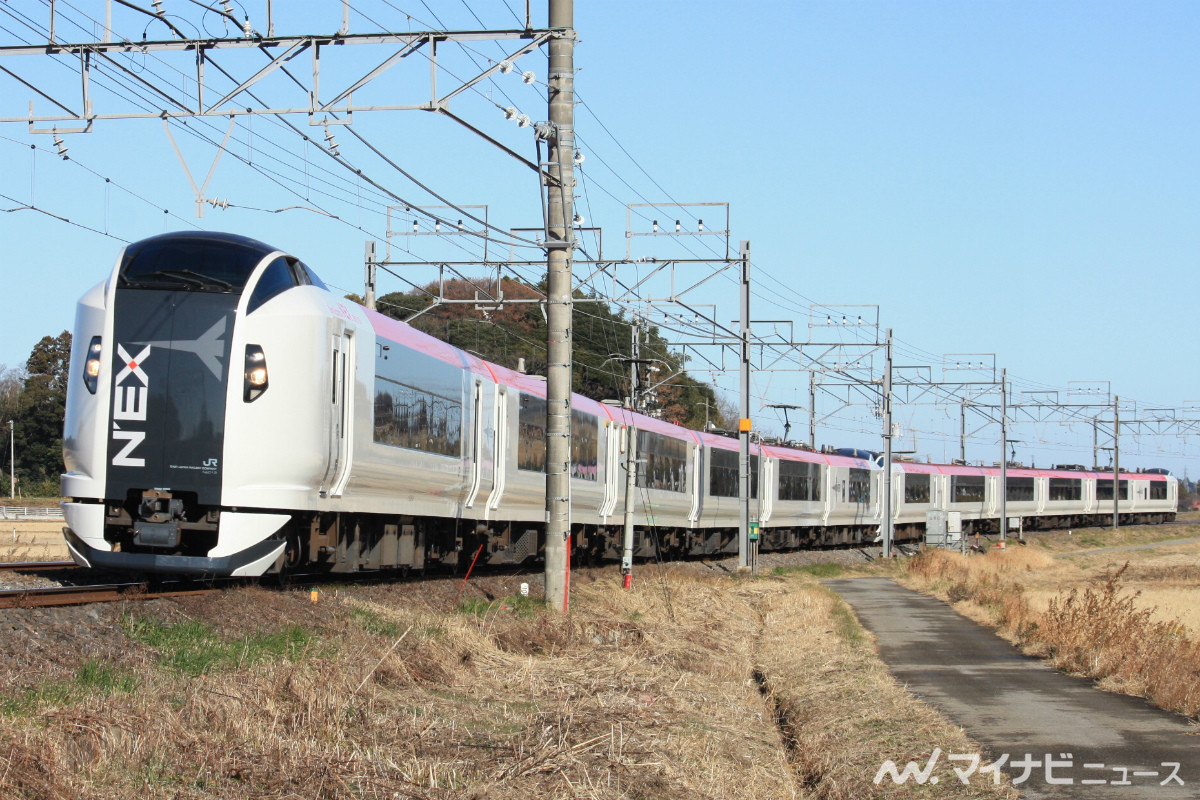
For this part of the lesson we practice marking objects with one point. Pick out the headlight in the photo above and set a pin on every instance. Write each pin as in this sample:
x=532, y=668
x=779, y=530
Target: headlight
x=91, y=367
x=256, y=373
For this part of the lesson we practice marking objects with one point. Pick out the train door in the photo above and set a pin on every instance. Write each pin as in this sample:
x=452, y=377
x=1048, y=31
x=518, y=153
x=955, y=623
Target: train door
x=697, y=482
x=483, y=431
x=766, y=490
x=341, y=411
x=500, y=450
x=613, y=467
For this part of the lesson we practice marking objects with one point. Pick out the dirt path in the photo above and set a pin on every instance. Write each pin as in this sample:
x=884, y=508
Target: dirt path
x=1067, y=738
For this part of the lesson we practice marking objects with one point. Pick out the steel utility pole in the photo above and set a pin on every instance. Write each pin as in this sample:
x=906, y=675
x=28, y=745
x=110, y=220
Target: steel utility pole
x=560, y=204
x=1116, y=461
x=630, y=459
x=888, y=530
x=812, y=409
x=744, y=420
x=1003, y=454
x=12, y=462
x=962, y=433
x=369, y=293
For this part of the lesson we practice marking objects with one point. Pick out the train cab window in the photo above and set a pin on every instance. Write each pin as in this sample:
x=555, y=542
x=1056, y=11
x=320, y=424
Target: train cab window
x=199, y=261
x=967, y=488
x=307, y=276
x=1104, y=489
x=277, y=278
x=1019, y=489
x=916, y=488
x=1067, y=489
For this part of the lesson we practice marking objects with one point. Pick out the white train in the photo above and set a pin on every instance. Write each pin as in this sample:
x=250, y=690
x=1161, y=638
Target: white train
x=228, y=415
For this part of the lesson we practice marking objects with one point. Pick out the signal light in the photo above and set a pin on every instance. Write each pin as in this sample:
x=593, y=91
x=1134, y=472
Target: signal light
x=256, y=374
x=91, y=367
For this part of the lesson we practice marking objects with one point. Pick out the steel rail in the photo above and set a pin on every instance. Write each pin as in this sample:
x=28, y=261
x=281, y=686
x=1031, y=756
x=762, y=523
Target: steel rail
x=35, y=566
x=45, y=597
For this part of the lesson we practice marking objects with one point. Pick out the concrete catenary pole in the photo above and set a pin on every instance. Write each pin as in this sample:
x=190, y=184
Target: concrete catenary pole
x=1003, y=454
x=560, y=204
x=888, y=529
x=1116, y=461
x=630, y=456
x=744, y=420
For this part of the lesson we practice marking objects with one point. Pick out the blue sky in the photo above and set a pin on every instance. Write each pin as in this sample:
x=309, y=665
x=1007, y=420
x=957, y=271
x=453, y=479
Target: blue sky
x=1018, y=178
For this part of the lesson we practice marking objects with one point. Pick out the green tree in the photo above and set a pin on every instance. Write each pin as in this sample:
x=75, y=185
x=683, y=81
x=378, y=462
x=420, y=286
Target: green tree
x=39, y=419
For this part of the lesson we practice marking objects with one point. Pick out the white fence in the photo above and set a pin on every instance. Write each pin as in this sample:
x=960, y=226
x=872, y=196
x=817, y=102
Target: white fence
x=29, y=512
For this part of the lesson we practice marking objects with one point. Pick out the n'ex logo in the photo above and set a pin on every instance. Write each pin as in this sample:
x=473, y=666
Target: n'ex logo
x=131, y=390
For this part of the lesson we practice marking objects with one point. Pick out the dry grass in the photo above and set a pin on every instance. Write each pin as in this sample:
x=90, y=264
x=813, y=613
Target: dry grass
x=685, y=687
x=1100, y=632
x=25, y=540
x=1101, y=626
x=841, y=712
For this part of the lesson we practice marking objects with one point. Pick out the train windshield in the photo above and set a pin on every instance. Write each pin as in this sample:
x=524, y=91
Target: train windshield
x=199, y=261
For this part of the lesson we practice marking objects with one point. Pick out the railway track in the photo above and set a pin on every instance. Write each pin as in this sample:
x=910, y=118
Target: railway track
x=49, y=596
x=84, y=593
x=37, y=566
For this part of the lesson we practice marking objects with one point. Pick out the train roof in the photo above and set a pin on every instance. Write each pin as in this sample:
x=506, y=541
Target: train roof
x=404, y=334
x=1018, y=472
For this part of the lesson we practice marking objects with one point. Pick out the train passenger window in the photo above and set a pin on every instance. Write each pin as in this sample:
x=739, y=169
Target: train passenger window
x=1068, y=489
x=859, y=487
x=583, y=445
x=276, y=279
x=723, y=474
x=916, y=488
x=799, y=480
x=406, y=416
x=1104, y=489
x=1158, y=490
x=1019, y=489
x=531, y=433
x=967, y=488
x=662, y=462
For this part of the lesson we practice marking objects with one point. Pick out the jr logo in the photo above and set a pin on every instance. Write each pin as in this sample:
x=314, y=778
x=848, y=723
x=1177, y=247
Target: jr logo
x=129, y=405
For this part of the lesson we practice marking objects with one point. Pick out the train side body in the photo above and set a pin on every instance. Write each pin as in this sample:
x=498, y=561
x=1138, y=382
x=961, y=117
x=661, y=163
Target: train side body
x=228, y=415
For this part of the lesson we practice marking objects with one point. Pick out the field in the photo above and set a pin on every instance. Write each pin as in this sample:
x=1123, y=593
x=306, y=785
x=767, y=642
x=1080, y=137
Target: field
x=1128, y=617
x=32, y=540
x=695, y=684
